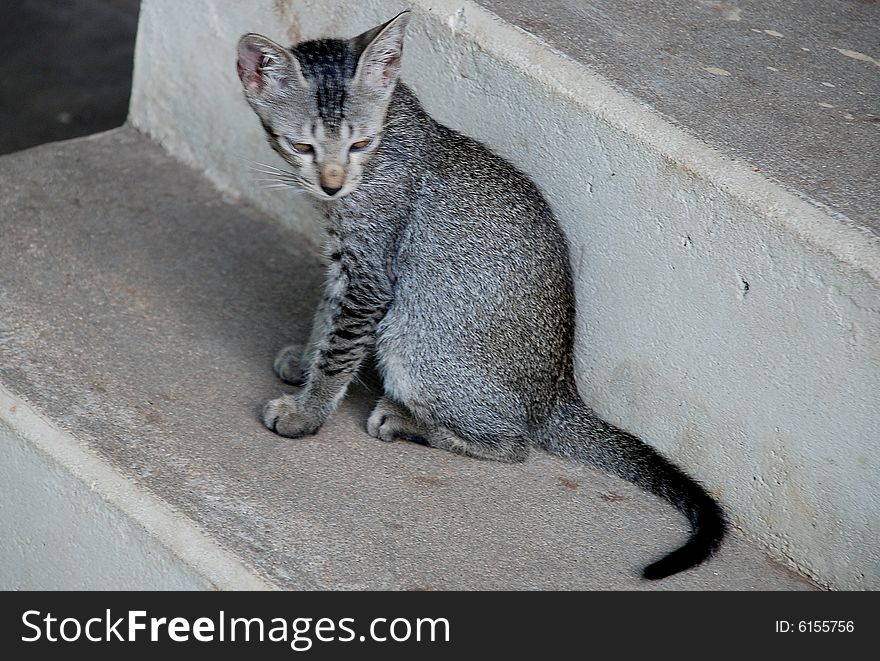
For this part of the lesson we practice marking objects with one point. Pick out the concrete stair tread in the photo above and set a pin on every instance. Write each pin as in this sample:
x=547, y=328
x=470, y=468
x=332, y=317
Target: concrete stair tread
x=139, y=312
x=793, y=93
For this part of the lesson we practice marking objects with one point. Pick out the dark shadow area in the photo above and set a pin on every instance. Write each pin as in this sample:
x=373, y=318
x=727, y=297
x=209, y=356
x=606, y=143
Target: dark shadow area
x=65, y=68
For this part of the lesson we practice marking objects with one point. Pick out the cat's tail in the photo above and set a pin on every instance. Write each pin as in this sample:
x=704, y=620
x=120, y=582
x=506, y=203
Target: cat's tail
x=576, y=432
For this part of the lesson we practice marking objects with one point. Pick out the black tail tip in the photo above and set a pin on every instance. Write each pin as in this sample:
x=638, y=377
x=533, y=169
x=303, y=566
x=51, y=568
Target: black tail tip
x=677, y=561
x=663, y=569
x=700, y=547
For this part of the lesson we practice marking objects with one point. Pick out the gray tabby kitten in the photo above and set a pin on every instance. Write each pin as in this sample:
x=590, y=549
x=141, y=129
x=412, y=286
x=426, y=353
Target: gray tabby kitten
x=447, y=265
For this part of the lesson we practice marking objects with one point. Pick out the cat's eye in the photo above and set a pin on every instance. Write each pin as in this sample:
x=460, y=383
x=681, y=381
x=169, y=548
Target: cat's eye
x=360, y=145
x=296, y=147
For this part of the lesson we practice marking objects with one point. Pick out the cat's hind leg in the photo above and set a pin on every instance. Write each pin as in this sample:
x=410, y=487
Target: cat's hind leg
x=391, y=421
x=495, y=447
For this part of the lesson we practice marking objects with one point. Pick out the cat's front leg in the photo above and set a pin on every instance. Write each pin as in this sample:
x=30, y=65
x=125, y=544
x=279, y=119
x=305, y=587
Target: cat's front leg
x=289, y=416
x=345, y=335
x=293, y=362
x=305, y=413
x=291, y=365
x=328, y=377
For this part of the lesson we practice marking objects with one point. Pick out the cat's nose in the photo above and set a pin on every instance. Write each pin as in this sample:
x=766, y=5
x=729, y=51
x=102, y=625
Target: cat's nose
x=332, y=178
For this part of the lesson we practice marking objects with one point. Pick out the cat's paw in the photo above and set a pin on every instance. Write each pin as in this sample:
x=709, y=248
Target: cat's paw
x=286, y=416
x=288, y=365
x=386, y=424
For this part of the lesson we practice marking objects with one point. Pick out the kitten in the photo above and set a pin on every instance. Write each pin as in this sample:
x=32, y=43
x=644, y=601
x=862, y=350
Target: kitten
x=446, y=264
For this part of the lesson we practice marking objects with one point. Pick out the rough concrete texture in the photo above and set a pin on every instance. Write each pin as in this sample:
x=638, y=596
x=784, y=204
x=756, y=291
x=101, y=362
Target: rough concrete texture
x=75, y=522
x=65, y=70
x=730, y=323
x=140, y=312
x=793, y=88
x=59, y=535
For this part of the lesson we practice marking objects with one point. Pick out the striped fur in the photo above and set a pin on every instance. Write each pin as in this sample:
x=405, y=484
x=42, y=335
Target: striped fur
x=446, y=264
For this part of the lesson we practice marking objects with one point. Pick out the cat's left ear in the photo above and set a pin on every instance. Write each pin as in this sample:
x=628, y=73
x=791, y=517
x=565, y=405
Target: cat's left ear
x=264, y=67
x=380, y=51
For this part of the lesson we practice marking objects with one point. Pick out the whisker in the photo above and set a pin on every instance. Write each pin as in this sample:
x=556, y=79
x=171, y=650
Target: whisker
x=250, y=161
x=275, y=178
x=266, y=167
x=263, y=166
x=275, y=174
x=283, y=187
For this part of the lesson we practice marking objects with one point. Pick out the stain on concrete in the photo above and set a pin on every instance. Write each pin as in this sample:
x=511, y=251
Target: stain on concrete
x=569, y=484
x=428, y=480
x=728, y=10
x=785, y=568
x=294, y=32
x=281, y=8
x=288, y=16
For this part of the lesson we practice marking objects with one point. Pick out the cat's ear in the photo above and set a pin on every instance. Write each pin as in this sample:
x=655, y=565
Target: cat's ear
x=379, y=53
x=264, y=66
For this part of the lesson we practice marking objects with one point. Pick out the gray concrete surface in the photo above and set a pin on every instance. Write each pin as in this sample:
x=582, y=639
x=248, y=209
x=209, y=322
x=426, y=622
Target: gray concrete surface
x=65, y=68
x=139, y=312
x=60, y=535
x=725, y=320
x=793, y=88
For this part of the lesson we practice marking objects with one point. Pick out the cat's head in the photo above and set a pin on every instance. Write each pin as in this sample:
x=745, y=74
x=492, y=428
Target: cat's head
x=323, y=103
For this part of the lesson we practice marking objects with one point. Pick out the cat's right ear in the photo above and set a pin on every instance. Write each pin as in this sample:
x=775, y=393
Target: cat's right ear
x=265, y=67
x=379, y=51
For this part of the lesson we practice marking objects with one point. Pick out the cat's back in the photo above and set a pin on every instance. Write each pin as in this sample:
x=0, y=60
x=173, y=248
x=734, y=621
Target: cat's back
x=477, y=180
x=481, y=267
x=461, y=174
x=489, y=216
x=481, y=238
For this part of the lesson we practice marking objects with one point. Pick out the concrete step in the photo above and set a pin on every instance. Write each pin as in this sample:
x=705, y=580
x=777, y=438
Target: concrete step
x=728, y=310
x=795, y=94
x=139, y=313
